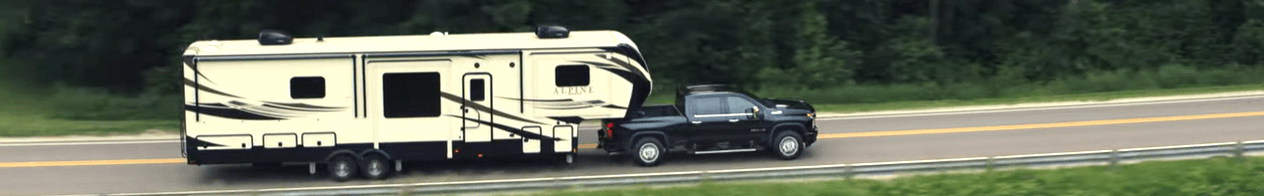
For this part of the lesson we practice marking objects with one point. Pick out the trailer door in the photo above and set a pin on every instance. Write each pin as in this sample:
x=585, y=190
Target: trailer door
x=476, y=107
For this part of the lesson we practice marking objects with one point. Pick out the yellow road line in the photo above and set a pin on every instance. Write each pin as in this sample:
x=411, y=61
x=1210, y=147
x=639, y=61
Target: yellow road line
x=822, y=136
x=1038, y=126
x=92, y=162
x=584, y=146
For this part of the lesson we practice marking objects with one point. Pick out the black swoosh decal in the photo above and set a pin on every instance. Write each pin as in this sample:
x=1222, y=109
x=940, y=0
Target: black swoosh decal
x=190, y=83
x=612, y=106
x=301, y=107
x=561, y=104
x=306, y=106
x=483, y=108
x=524, y=134
x=625, y=74
x=193, y=141
x=627, y=66
x=539, y=100
x=568, y=119
x=228, y=113
x=565, y=107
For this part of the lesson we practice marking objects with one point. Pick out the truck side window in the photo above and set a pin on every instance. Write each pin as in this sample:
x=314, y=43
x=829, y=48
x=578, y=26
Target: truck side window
x=737, y=105
x=708, y=105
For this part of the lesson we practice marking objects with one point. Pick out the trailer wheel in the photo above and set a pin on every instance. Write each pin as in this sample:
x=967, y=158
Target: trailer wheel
x=565, y=159
x=342, y=168
x=376, y=167
x=788, y=145
x=648, y=151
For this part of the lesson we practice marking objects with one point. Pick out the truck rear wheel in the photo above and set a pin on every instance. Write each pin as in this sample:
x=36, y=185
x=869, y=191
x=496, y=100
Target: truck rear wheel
x=648, y=151
x=342, y=168
x=788, y=145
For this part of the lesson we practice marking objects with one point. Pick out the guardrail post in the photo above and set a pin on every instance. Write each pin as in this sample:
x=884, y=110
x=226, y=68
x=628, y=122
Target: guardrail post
x=1114, y=158
x=988, y=166
x=1238, y=150
x=847, y=173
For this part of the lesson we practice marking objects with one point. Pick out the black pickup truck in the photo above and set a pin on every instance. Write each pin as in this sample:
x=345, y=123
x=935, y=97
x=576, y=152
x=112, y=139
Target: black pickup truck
x=711, y=119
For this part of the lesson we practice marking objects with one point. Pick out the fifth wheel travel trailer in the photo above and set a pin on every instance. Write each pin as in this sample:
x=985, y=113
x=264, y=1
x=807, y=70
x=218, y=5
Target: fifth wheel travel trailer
x=366, y=104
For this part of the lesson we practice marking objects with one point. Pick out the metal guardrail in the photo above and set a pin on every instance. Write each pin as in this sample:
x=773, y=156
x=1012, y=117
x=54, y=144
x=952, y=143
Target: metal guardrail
x=1100, y=157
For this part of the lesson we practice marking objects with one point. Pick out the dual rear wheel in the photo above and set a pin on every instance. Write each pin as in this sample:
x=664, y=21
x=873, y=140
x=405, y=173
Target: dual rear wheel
x=344, y=167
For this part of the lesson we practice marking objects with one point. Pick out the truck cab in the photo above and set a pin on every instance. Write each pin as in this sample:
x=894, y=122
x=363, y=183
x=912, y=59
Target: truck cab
x=710, y=119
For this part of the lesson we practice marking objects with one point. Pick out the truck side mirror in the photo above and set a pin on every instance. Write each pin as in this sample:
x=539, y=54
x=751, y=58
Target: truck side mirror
x=754, y=112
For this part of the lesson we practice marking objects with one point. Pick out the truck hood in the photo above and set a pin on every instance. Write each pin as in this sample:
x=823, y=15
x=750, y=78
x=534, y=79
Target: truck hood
x=790, y=104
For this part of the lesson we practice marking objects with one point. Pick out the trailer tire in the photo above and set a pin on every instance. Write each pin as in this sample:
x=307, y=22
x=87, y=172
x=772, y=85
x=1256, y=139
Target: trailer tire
x=565, y=159
x=342, y=168
x=375, y=167
x=647, y=152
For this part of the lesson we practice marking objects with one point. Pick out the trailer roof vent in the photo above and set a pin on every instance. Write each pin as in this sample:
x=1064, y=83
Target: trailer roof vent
x=274, y=37
x=544, y=32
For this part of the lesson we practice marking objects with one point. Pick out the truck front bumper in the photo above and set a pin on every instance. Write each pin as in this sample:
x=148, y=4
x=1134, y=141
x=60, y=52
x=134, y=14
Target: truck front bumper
x=810, y=137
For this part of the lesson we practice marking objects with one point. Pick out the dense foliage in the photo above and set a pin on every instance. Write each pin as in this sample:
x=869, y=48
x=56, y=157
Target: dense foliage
x=131, y=46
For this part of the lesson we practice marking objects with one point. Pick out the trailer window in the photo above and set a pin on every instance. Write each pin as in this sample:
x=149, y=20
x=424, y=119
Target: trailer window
x=410, y=94
x=476, y=90
x=307, y=87
x=571, y=75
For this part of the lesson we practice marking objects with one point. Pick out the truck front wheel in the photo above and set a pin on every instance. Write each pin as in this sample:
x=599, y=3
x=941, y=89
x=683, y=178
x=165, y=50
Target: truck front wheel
x=648, y=151
x=788, y=146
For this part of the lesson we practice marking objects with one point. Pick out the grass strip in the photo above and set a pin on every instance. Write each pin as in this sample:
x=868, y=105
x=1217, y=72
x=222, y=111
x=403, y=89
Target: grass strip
x=1212, y=177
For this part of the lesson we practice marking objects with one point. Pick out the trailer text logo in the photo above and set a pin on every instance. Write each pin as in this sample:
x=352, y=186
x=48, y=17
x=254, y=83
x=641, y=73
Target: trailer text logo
x=572, y=90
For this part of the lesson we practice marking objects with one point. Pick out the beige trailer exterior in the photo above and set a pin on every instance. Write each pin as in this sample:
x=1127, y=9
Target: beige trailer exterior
x=427, y=97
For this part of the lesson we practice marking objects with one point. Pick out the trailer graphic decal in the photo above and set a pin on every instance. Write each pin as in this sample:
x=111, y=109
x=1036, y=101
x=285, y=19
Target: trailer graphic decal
x=221, y=110
x=482, y=108
x=506, y=128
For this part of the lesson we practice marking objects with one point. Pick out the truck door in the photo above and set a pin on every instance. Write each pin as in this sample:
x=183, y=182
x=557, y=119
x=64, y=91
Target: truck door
x=745, y=129
x=476, y=94
x=709, y=119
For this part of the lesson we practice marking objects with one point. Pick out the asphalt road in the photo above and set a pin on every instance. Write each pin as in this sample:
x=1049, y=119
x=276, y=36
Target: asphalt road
x=178, y=177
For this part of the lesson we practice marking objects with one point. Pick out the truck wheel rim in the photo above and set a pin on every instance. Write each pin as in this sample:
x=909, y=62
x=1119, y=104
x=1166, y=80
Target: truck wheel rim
x=789, y=146
x=649, y=152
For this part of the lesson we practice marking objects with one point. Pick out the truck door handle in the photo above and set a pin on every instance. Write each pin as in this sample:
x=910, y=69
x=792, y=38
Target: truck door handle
x=733, y=120
x=696, y=122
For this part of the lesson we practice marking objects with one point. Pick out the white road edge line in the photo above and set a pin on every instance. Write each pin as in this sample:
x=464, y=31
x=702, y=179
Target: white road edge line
x=89, y=143
x=655, y=174
x=1036, y=109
